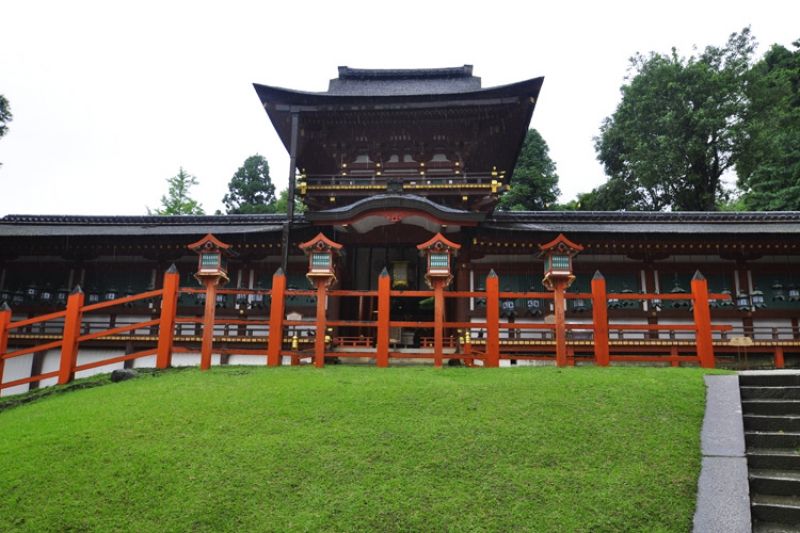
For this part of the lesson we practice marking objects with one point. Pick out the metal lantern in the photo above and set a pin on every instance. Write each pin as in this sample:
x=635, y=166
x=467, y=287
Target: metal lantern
x=778, y=294
x=18, y=298
x=794, y=293
x=728, y=302
x=5, y=296
x=241, y=300
x=758, y=300
x=534, y=307
x=579, y=305
x=61, y=296
x=508, y=307
x=221, y=300
x=557, y=255
x=128, y=293
x=111, y=294
x=677, y=289
x=400, y=274
x=211, y=258
x=321, y=252
x=742, y=301
x=32, y=292
x=93, y=296
x=46, y=296
x=257, y=299
x=200, y=298
x=630, y=304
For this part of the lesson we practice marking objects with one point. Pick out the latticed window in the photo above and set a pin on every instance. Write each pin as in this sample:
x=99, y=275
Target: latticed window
x=321, y=261
x=210, y=261
x=439, y=261
x=560, y=262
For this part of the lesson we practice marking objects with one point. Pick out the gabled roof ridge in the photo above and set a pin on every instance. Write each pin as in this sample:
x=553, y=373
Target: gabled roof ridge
x=648, y=216
x=348, y=73
x=119, y=220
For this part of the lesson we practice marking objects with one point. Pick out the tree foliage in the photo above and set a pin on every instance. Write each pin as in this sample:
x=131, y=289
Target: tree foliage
x=250, y=189
x=673, y=134
x=282, y=203
x=768, y=163
x=5, y=115
x=177, y=201
x=535, y=181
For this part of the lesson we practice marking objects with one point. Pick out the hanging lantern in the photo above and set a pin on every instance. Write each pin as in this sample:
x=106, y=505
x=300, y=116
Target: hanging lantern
x=111, y=294
x=257, y=299
x=400, y=274
x=627, y=303
x=241, y=300
x=794, y=293
x=93, y=296
x=221, y=300
x=5, y=296
x=613, y=303
x=778, y=294
x=757, y=297
x=677, y=289
x=508, y=307
x=18, y=298
x=61, y=296
x=579, y=305
x=728, y=302
x=743, y=301
x=128, y=293
x=534, y=307
x=200, y=298
x=47, y=296
x=32, y=291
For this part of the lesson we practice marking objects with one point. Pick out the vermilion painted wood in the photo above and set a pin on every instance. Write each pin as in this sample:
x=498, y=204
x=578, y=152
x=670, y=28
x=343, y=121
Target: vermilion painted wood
x=438, y=321
x=120, y=301
x=32, y=349
x=209, y=313
x=276, y=317
x=702, y=319
x=31, y=379
x=492, y=358
x=340, y=292
x=169, y=308
x=69, y=339
x=119, y=359
x=600, y=321
x=114, y=331
x=36, y=320
x=559, y=304
x=319, y=340
x=5, y=320
x=779, y=363
x=384, y=290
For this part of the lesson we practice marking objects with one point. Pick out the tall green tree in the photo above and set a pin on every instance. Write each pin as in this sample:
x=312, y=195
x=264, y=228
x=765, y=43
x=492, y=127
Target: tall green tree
x=768, y=165
x=250, y=189
x=177, y=201
x=282, y=203
x=673, y=134
x=535, y=181
x=5, y=116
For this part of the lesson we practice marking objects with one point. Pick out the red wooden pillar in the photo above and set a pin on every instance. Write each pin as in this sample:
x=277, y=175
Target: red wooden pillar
x=559, y=302
x=5, y=320
x=438, y=321
x=69, y=342
x=600, y=319
x=673, y=356
x=166, y=328
x=319, y=341
x=209, y=316
x=492, y=358
x=779, y=363
x=382, y=349
x=702, y=321
x=276, y=313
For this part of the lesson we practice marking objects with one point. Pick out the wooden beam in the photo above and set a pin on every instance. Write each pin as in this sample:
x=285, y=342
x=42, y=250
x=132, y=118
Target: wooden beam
x=384, y=309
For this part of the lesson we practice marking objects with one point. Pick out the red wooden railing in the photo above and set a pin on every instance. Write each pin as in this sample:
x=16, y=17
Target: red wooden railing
x=486, y=340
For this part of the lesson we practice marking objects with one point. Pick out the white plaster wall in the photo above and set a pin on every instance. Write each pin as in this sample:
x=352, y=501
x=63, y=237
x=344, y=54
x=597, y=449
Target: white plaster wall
x=90, y=356
x=736, y=323
x=763, y=328
x=191, y=359
x=251, y=360
x=626, y=334
x=17, y=368
x=145, y=362
x=51, y=363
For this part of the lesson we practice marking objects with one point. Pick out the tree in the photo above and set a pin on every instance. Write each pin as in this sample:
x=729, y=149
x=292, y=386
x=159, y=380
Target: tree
x=282, y=203
x=535, y=182
x=177, y=200
x=768, y=165
x=250, y=188
x=5, y=116
x=673, y=134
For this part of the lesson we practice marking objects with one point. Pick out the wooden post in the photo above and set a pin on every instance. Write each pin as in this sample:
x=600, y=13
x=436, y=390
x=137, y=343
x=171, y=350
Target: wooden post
x=559, y=303
x=69, y=342
x=319, y=341
x=600, y=319
x=166, y=328
x=208, y=322
x=438, y=321
x=702, y=321
x=492, y=358
x=384, y=310
x=673, y=356
x=779, y=363
x=5, y=320
x=276, y=313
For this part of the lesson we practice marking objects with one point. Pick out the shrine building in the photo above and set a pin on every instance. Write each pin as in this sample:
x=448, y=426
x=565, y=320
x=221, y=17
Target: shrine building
x=400, y=256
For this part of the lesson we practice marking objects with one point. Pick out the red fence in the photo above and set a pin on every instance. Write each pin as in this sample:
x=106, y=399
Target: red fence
x=484, y=340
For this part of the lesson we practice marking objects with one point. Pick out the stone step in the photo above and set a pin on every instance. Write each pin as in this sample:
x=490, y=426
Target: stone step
x=777, y=482
x=771, y=422
x=771, y=527
x=773, y=458
x=786, y=393
x=771, y=439
x=769, y=379
x=776, y=509
x=771, y=407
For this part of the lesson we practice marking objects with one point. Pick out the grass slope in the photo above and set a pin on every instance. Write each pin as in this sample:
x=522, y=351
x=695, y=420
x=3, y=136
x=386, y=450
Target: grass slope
x=347, y=449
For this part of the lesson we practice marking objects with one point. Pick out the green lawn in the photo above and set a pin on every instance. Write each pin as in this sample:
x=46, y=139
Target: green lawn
x=349, y=449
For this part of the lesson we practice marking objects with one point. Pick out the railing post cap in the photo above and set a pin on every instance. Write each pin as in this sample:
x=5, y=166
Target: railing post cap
x=492, y=274
x=598, y=275
x=77, y=290
x=698, y=276
x=5, y=307
x=172, y=269
x=279, y=272
x=384, y=272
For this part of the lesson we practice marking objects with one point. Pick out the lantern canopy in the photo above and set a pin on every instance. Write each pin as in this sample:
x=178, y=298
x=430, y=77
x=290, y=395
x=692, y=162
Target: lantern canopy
x=557, y=255
x=321, y=252
x=212, y=254
x=439, y=252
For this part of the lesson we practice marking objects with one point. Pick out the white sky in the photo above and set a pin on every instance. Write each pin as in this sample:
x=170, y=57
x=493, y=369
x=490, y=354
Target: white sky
x=110, y=98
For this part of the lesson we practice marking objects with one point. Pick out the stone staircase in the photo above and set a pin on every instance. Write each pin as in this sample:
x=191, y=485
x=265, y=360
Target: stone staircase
x=771, y=414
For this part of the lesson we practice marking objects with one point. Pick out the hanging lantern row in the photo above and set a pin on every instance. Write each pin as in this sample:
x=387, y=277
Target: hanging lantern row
x=790, y=294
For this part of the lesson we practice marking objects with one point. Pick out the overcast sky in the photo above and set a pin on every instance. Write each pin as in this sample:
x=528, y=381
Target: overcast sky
x=110, y=98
